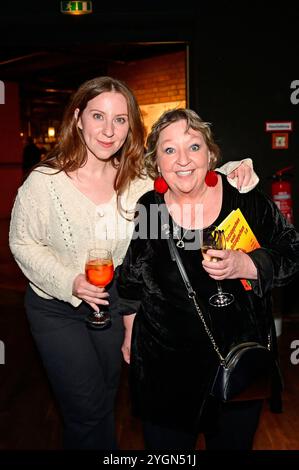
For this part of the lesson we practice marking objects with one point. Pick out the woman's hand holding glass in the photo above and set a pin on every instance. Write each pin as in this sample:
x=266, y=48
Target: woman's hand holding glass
x=213, y=241
x=230, y=265
x=99, y=272
x=91, y=287
x=92, y=295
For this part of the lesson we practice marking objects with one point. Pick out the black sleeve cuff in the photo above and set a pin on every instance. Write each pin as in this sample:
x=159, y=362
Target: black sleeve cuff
x=265, y=271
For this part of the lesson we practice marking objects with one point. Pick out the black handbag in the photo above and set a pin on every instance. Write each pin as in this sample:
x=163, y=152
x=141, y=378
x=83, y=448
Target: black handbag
x=247, y=371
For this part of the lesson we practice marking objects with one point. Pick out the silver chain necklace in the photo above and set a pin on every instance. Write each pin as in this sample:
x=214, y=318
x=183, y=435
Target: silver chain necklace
x=180, y=243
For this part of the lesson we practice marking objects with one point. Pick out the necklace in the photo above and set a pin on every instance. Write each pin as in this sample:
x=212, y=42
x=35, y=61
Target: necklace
x=180, y=243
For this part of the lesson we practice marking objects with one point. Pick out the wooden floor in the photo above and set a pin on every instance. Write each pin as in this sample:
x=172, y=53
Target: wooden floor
x=29, y=419
x=28, y=414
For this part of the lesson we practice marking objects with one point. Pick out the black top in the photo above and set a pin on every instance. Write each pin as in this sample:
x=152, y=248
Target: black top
x=172, y=359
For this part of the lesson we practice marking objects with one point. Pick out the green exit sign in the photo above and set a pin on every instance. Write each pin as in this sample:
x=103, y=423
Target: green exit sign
x=76, y=8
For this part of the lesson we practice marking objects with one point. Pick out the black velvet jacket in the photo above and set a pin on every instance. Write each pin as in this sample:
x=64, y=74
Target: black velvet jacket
x=172, y=360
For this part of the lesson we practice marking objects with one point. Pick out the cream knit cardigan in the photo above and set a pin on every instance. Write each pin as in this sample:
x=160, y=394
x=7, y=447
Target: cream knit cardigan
x=53, y=225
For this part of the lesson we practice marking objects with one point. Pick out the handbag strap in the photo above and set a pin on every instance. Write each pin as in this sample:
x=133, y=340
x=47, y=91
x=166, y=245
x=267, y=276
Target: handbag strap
x=192, y=294
x=175, y=256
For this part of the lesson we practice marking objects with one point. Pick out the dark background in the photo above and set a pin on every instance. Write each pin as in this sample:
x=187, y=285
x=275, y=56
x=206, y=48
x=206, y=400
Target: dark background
x=241, y=65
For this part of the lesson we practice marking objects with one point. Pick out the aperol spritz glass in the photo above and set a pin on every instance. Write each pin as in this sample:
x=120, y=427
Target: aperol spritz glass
x=99, y=271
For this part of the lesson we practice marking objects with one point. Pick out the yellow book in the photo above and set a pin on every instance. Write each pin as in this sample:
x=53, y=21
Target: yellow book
x=238, y=233
x=239, y=236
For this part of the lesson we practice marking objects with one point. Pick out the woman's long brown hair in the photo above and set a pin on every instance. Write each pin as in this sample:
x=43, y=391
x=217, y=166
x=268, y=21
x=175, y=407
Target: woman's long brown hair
x=70, y=152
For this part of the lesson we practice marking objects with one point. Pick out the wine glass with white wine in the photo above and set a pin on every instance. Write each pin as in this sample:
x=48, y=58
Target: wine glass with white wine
x=214, y=239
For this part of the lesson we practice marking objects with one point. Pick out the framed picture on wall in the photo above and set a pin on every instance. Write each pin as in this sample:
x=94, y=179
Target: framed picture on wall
x=280, y=140
x=151, y=112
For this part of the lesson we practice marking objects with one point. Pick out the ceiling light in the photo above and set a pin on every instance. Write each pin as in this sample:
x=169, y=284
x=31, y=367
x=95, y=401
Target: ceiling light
x=51, y=131
x=76, y=8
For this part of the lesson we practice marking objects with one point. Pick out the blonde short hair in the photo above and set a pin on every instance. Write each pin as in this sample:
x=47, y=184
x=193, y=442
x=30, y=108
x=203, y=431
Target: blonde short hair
x=193, y=121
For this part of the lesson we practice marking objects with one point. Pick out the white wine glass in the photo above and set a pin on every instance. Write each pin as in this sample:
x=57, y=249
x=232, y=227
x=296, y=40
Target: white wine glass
x=213, y=238
x=99, y=271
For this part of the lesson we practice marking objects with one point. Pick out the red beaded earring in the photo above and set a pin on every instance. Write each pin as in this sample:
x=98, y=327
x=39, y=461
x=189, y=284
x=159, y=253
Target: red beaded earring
x=211, y=178
x=160, y=185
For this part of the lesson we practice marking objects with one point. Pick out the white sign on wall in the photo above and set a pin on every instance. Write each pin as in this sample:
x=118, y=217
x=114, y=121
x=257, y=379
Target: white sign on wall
x=2, y=92
x=279, y=126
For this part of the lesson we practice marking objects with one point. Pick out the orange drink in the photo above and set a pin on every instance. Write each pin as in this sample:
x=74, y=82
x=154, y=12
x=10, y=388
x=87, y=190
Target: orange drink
x=99, y=272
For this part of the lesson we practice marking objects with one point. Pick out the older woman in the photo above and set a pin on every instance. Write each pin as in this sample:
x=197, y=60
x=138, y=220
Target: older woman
x=172, y=359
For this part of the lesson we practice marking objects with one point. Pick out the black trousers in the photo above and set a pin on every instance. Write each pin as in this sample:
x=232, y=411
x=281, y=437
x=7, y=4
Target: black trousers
x=234, y=430
x=83, y=366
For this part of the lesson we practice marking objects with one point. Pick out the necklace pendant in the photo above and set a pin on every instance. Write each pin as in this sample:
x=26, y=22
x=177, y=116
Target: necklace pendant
x=176, y=231
x=180, y=244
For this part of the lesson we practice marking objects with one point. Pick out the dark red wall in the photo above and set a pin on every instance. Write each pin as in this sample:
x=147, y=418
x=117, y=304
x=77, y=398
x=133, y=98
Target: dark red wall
x=10, y=147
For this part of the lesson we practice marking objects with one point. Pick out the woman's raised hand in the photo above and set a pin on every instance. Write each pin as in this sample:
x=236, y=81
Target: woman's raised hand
x=244, y=174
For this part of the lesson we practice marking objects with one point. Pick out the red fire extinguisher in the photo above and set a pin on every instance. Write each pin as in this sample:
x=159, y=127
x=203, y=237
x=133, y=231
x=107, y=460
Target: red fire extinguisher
x=281, y=190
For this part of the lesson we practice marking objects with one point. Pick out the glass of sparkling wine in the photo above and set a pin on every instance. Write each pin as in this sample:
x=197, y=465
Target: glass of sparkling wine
x=99, y=271
x=215, y=239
